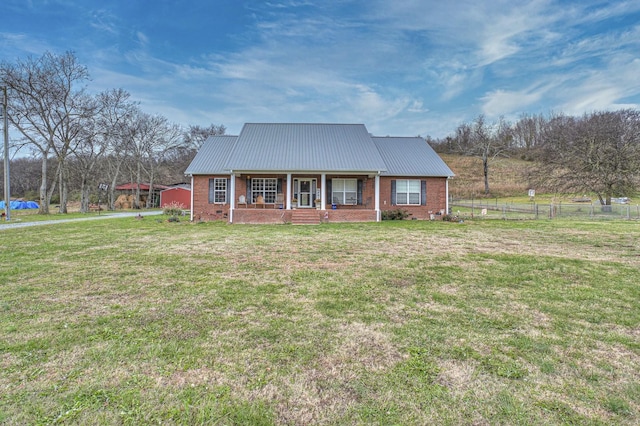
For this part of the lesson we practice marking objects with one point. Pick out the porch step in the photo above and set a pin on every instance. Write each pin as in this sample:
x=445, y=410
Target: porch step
x=305, y=217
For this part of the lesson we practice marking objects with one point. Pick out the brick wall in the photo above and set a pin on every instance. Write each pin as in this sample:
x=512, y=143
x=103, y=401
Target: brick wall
x=203, y=210
x=436, y=198
x=349, y=215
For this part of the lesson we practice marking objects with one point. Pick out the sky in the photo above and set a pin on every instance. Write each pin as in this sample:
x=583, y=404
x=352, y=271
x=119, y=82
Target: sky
x=401, y=67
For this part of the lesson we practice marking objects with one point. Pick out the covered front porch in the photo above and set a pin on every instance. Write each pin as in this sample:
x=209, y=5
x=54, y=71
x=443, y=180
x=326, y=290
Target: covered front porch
x=259, y=197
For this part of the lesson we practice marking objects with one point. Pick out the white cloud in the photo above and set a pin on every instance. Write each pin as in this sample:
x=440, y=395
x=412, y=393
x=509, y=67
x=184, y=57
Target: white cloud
x=604, y=89
x=20, y=43
x=103, y=20
x=142, y=38
x=502, y=102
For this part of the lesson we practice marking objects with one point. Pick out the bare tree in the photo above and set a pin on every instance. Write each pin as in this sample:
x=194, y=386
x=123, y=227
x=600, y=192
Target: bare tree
x=99, y=132
x=196, y=135
x=528, y=132
x=25, y=176
x=599, y=153
x=116, y=111
x=44, y=106
x=486, y=141
x=149, y=138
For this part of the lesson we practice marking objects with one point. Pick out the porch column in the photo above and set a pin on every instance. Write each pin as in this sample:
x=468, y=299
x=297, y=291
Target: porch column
x=446, y=203
x=377, y=202
x=232, y=202
x=323, y=192
x=191, y=195
x=288, y=194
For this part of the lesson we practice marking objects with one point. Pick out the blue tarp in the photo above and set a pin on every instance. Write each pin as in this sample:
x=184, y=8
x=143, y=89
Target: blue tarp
x=19, y=205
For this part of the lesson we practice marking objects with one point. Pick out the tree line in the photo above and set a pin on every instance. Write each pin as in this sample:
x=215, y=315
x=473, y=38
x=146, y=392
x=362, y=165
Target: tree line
x=598, y=152
x=77, y=139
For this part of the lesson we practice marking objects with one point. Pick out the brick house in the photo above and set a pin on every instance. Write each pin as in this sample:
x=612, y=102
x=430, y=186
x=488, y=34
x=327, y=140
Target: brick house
x=308, y=173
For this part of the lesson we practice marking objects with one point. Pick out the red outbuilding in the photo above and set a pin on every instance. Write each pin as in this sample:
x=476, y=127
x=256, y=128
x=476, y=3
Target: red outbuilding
x=178, y=194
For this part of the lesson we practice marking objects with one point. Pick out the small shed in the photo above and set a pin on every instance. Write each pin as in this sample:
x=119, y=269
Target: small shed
x=180, y=193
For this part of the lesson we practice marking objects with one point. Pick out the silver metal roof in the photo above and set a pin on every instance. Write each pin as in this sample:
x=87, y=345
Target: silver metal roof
x=305, y=147
x=411, y=156
x=347, y=148
x=212, y=156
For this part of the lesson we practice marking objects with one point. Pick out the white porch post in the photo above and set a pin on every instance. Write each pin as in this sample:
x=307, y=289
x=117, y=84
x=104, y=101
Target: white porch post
x=323, y=192
x=446, y=203
x=377, y=202
x=288, y=194
x=191, y=195
x=232, y=202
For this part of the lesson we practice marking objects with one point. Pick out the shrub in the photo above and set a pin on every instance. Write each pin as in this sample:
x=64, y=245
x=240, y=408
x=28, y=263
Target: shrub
x=397, y=214
x=173, y=209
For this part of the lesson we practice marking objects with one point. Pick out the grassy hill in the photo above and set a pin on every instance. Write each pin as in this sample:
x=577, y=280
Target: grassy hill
x=507, y=176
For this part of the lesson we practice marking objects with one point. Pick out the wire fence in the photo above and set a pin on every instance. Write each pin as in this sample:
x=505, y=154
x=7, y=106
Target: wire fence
x=492, y=209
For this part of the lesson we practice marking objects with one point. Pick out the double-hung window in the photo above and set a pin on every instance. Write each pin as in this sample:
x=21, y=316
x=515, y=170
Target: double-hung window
x=267, y=187
x=344, y=191
x=408, y=192
x=218, y=191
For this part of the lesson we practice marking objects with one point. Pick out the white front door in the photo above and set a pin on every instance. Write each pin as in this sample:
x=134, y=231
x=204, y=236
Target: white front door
x=305, y=193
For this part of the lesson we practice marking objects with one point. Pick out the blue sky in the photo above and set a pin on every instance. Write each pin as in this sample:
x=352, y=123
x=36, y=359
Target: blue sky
x=401, y=67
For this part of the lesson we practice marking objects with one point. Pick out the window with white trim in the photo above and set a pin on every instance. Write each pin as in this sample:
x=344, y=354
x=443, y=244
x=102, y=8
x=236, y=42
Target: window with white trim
x=408, y=192
x=344, y=191
x=267, y=187
x=218, y=191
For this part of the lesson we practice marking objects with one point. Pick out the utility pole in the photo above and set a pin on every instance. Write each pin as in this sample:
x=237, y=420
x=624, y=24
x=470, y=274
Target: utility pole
x=7, y=185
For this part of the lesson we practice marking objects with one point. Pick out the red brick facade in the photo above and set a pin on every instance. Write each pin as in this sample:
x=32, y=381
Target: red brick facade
x=203, y=210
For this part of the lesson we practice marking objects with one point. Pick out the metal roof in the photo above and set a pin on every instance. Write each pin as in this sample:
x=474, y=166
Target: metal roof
x=410, y=156
x=349, y=148
x=305, y=147
x=212, y=156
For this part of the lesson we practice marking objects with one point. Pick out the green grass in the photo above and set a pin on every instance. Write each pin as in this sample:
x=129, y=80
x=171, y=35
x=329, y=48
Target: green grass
x=484, y=322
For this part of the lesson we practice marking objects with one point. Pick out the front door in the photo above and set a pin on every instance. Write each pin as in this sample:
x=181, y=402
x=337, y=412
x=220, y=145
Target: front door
x=305, y=193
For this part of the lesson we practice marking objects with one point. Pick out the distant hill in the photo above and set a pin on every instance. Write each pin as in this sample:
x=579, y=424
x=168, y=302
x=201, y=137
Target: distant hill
x=507, y=176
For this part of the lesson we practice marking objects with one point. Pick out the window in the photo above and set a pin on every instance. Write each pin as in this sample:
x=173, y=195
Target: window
x=265, y=187
x=344, y=191
x=218, y=191
x=408, y=192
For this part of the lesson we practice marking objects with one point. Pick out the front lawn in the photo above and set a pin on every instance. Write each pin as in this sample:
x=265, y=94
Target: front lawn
x=131, y=321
